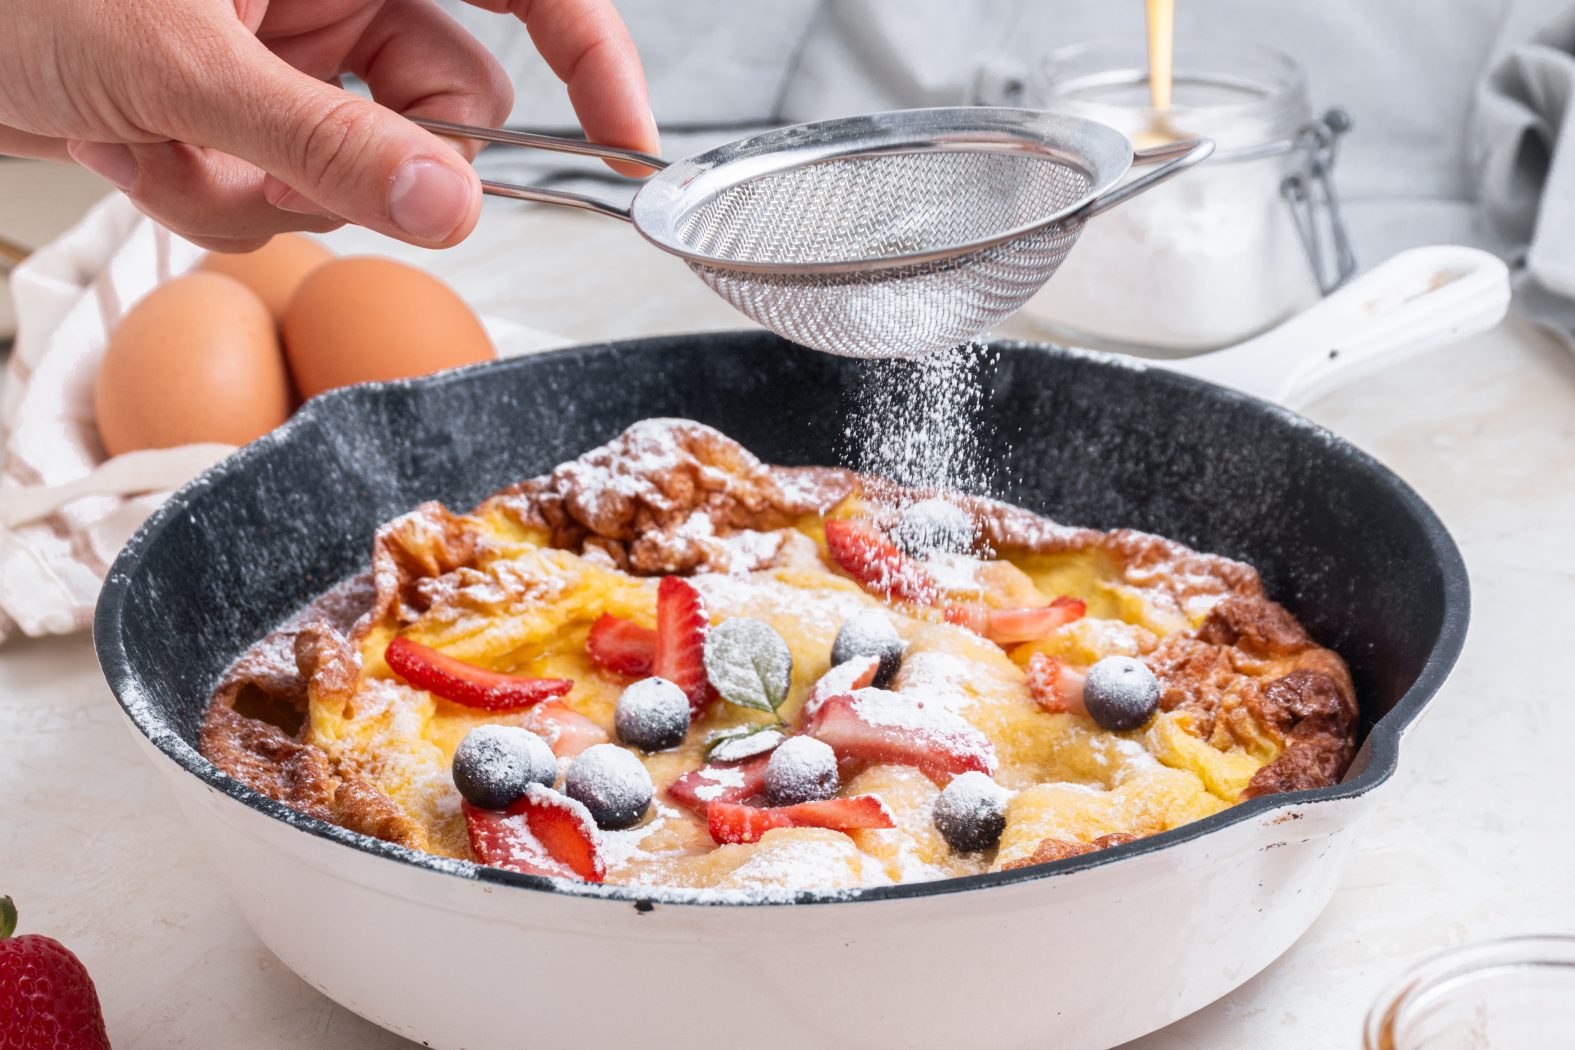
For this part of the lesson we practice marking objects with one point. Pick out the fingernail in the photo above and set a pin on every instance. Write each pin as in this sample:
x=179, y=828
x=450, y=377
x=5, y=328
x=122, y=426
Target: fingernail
x=428, y=199
x=293, y=201
x=109, y=160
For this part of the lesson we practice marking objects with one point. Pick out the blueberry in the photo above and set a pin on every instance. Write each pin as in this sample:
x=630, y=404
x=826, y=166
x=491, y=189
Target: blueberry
x=493, y=764
x=934, y=525
x=1120, y=692
x=870, y=634
x=970, y=813
x=652, y=715
x=801, y=769
x=612, y=784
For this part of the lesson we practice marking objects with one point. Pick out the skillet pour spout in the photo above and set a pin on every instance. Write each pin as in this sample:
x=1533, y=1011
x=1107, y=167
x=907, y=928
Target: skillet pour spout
x=414, y=941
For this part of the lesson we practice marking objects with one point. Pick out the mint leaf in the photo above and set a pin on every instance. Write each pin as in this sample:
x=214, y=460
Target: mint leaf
x=735, y=745
x=749, y=664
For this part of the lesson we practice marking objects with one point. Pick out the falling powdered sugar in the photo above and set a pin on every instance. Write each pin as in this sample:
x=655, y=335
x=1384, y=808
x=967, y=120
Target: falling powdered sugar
x=921, y=423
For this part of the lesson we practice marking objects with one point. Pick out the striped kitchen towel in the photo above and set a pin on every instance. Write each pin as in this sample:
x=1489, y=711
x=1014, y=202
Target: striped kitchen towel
x=65, y=508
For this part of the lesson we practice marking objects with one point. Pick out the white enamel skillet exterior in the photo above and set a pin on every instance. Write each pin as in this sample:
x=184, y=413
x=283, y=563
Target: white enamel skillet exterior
x=1035, y=958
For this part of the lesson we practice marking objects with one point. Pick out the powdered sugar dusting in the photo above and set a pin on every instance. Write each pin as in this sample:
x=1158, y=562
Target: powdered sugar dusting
x=544, y=796
x=717, y=780
x=651, y=447
x=843, y=678
x=916, y=717
x=525, y=849
x=620, y=849
x=763, y=597
x=944, y=680
x=805, y=858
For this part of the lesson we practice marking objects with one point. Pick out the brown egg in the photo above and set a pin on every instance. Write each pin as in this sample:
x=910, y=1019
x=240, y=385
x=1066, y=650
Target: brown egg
x=195, y=360
x=273, y=271
x=362, y=319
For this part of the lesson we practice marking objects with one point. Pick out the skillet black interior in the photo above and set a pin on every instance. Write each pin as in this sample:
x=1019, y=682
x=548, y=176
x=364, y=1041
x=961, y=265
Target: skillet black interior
x=1339, y=539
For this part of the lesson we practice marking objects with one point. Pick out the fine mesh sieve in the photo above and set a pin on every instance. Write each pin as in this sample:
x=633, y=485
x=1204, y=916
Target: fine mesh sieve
x=897, y=234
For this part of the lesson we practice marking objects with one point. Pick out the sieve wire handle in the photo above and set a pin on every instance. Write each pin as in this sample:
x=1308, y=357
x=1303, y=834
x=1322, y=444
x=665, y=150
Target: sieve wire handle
x=562, y=198
x=1182, y=155
x=531, y=140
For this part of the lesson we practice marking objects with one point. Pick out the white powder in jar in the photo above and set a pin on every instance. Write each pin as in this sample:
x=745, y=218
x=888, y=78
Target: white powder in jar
x=1206, y=260
x=1212, y=256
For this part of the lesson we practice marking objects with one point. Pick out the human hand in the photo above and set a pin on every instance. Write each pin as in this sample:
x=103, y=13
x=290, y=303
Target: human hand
x=223, y=119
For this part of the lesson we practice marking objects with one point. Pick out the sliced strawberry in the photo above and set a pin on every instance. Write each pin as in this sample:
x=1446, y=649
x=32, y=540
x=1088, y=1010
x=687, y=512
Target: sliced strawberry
x=842, y=814
x=731, y=822
x=544, y=833
x=974, y=616
x=566, y=731
x=737, y=782
x=1010, y=626
x=843, y=678
x=680, y=640
x=622, y=646
x=565, y=829
x=879, y=726
x=1055, y=685
x=502, y=841
x=870, y=557
x=426, y=668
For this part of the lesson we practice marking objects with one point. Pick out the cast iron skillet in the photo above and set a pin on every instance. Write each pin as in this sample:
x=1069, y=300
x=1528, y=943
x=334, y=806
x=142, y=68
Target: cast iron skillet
x=1088, y=440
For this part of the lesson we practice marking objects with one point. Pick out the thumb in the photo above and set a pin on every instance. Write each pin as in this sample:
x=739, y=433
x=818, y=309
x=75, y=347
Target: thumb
x=348, y=155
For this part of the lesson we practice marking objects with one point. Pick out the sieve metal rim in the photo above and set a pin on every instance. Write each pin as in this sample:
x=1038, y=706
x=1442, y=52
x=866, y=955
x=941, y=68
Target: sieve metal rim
x=665, y=202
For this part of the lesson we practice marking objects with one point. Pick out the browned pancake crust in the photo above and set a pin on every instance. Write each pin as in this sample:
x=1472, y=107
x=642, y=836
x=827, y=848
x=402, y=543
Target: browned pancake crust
x=637, y=505
x=1059, y=849
x=253, y=725
x=635, y=499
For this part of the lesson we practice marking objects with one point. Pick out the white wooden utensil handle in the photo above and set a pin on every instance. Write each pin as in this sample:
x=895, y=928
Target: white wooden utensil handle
x=1419, y=299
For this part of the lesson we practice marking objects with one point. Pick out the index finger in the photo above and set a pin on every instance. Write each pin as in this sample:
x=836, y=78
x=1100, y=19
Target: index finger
x=587, y=45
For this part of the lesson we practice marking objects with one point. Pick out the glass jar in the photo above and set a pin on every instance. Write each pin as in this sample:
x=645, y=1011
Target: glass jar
x=1222, y=252
x=1517, y=993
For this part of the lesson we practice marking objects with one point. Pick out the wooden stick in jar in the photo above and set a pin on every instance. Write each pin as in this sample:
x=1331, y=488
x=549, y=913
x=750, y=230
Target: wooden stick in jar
x=1161, y=41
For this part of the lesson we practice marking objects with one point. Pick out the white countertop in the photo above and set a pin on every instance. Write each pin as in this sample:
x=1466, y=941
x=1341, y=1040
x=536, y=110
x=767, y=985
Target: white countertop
x=1472, y=840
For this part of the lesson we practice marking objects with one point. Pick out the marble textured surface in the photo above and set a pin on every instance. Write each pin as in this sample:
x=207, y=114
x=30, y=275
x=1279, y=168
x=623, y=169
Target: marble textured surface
x=1471, y=840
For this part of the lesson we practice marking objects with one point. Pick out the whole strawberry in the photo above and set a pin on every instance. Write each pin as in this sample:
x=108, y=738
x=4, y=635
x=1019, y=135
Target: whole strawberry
x=47, y=1001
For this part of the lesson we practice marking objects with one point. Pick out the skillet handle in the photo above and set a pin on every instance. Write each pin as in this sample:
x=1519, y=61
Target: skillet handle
x=1420, y=299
